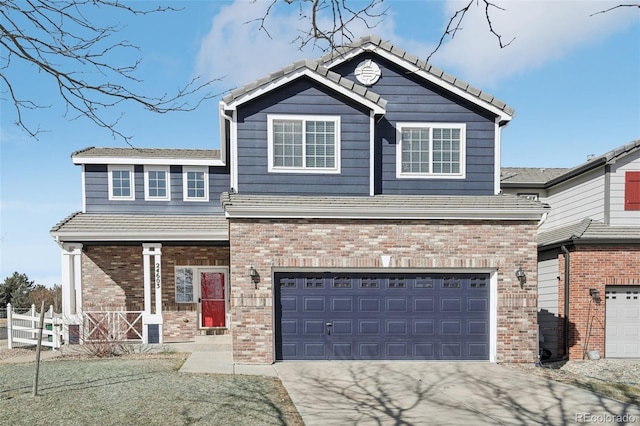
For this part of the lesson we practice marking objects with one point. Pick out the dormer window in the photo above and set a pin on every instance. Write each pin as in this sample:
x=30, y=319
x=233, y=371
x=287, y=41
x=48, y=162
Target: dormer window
x=121, y=183
x=156, y=183
x=430, y=150
x=304, y=144
x=195, y=183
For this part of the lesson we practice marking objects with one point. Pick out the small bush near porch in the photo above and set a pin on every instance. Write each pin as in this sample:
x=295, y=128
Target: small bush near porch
x=146, y=390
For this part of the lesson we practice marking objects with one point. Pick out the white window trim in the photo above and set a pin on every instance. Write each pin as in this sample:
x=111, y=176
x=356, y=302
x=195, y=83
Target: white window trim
x=194, y=283
x=303, y=169
x=132, y=182
x=463, y=150
x=185, y=192
x=165, y=169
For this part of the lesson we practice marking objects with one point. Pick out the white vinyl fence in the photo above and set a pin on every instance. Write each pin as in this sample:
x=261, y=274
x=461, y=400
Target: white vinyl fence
x=22, y=328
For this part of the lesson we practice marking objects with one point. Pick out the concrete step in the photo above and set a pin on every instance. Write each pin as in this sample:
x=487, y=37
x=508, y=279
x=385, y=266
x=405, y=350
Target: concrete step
x=220, y=343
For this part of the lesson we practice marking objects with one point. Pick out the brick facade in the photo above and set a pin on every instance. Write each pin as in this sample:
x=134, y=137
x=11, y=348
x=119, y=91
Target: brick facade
x=502, y=246
x=594, y=267
x=113, y=279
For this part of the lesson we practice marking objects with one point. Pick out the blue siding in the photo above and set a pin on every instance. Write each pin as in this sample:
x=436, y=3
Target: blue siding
x=410, y=99
x=97, y=193
x=303, y=97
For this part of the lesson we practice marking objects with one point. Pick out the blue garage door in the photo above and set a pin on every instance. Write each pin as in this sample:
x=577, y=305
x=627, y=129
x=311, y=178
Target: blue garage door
x=382, y=316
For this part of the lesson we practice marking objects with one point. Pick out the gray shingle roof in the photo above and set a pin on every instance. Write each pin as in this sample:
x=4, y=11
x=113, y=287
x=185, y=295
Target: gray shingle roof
x=305, y=64
x=147, y=153
x=547, y=177
x=373, y=42
x=384, y=206
x=589, y=230
x=135, y=227
x=606, y=158
x=529, y=175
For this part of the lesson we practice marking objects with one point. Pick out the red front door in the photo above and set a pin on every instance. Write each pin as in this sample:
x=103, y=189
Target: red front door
x=213, y=306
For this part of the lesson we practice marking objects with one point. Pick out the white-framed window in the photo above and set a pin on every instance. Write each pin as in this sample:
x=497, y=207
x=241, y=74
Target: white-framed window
x=157, y=183
x=430, y=150
x=185, y=285
x=195, y=183
x=304, y=143
x=121, y=183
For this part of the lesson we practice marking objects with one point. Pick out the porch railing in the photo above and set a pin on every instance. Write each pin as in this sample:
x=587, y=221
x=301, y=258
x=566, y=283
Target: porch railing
x=118, y=326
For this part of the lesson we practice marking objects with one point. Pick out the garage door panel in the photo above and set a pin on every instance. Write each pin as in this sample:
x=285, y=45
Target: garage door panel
x=622, y=318
x=313, y=327
x=396, y=304
x=342, y=327
x=396, y=327
x=451, y=304
x=341, y=304
x=424, y=327
x=369, y=304
x=313, y=304
x=382, y=316
x=423, y=304
x=449, y=327
x=369, y=327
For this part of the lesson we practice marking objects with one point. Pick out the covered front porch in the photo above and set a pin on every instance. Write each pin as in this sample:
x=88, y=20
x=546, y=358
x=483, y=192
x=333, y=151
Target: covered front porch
x=143, y=279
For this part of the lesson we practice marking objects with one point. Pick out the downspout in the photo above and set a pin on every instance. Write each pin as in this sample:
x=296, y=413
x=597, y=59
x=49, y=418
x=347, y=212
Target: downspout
x=567, y=280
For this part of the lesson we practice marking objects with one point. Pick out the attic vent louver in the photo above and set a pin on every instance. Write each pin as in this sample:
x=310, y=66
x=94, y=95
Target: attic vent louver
x=368, y=72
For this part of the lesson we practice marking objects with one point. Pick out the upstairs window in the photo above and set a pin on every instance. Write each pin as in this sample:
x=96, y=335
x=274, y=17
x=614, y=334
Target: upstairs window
x=156, y=183
x=632, y=190
x=121, y=183
x=195, y=184
x=430, y=150
x=304, y=144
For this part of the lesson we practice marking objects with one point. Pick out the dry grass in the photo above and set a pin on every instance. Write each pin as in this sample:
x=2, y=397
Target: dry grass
x=143, y=389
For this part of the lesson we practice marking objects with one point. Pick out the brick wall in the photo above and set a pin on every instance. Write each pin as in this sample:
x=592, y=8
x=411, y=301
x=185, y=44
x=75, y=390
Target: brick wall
x=594, y=267
x=113, y=279
x=267, y=244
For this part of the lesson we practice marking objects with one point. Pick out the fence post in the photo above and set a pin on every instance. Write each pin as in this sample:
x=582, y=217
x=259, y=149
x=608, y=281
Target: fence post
x=34, y=322
x=9, y=326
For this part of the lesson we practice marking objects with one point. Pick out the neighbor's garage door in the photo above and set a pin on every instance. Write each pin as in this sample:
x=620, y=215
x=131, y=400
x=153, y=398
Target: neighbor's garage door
x=382, y=316
x=623, y=322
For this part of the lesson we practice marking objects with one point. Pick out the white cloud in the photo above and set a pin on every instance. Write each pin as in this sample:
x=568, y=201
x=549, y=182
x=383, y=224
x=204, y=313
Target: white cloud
x=543, y=31
x=236, y=49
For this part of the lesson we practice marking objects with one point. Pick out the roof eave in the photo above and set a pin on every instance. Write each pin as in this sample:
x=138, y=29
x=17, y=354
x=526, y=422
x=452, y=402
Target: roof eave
x=70, y=236
x=165, y=161
x=367, y=212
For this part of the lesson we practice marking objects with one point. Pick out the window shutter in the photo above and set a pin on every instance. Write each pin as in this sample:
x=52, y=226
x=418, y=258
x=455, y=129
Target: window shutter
x=632, y=191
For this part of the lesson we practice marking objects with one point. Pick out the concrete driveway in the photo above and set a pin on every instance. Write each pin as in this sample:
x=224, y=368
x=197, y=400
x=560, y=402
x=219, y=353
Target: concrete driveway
x=419, y=393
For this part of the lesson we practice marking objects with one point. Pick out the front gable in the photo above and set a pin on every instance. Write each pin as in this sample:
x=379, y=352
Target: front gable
x=457, y=152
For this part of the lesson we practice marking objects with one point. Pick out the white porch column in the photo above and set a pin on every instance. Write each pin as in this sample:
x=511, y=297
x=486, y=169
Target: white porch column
x=151, y=254
x=71, y=286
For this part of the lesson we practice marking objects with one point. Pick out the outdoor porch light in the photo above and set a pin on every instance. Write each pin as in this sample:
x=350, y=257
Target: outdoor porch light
x=255, y=277
x=522, y=277
x=594, y=293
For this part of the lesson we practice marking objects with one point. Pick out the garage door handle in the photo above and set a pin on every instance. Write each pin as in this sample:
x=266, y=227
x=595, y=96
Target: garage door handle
x=329, y=328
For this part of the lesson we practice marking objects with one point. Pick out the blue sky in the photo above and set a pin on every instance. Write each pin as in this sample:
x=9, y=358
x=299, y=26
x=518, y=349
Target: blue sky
x=573, y=79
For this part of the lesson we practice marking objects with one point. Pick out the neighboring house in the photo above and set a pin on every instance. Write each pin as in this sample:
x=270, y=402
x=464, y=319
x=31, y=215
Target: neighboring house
x=588, y=253
x=353, y=212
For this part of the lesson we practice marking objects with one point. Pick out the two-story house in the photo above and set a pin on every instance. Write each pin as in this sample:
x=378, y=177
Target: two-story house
x=589, y=253
x=353, y=211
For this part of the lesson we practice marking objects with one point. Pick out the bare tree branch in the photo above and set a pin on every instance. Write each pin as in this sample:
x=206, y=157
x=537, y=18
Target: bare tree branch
x=327, y=24
x=83, y=60
x=616, y=7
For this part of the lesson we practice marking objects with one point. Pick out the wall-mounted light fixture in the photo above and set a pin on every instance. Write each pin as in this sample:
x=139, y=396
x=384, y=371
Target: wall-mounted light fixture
x=255, y=277
x=521, y=276
x=595, y=294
